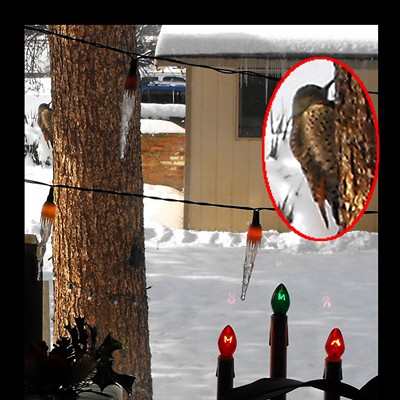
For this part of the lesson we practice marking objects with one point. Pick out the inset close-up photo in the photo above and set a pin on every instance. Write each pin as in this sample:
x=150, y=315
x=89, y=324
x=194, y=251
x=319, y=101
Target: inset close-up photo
x=321, y=148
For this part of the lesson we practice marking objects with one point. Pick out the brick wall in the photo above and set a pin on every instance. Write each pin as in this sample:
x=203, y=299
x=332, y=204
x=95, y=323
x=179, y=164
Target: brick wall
x=163, y=159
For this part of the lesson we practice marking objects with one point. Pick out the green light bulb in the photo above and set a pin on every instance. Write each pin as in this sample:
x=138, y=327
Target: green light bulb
x=280, y=300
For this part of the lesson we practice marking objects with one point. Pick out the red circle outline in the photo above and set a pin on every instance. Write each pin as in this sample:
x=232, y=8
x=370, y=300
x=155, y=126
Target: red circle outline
x=263, y=152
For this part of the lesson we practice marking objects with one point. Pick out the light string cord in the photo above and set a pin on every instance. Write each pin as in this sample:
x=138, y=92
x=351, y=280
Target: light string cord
x=133, y=54
x=185, y=201
x=171, y=60
x=131, y=194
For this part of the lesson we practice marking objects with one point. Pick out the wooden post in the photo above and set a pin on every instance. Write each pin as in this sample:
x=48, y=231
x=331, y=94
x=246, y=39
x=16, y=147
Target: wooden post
x=33, y=293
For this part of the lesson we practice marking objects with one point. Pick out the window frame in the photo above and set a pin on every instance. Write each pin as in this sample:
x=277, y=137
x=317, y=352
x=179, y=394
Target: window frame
x=266, y=92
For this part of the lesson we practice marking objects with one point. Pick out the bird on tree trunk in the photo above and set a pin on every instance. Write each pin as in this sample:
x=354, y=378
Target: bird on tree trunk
x=314, y=146
x=45, y=122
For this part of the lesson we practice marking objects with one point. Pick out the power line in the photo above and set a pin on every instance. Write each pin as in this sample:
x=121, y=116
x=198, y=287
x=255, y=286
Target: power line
x=185, y=201
x=131, y=194
x=138, y=55
x=171, y=60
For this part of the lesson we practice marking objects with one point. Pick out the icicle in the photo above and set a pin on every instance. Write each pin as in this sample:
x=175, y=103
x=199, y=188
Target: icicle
x=46, y=223
x=128, y=103
x=247, y=271
x=245, y=68
x=41, y=249
x=267, y=67
x=253, y=242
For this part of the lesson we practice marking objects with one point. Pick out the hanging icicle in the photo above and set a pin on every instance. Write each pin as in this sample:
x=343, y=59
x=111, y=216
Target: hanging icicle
x=254, y=236
x=128, y=103
x=46, y=223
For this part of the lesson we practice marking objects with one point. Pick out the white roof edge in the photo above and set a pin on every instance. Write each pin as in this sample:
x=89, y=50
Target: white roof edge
x=273, y=41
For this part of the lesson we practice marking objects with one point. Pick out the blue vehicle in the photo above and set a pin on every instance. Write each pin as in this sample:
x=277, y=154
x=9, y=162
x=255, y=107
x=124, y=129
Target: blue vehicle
x=163, y=89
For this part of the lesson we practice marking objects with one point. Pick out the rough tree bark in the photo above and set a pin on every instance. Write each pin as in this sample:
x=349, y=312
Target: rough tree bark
x=98, y=238
x=357, y=137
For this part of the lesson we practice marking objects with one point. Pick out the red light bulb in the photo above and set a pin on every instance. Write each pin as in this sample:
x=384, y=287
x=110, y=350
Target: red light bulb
x=334, y=346
x=227, y=342
x=254, y=233
x=132, y=79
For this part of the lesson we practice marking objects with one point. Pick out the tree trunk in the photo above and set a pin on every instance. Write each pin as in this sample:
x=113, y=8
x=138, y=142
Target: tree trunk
x=98, y=238
x=357, y=137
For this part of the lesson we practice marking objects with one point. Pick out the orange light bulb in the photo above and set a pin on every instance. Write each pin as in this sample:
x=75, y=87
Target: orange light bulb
x=254, y=233
x=49, y=208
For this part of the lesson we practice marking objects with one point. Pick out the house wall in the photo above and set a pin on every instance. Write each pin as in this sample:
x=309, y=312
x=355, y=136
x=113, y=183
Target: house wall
x=222, y=168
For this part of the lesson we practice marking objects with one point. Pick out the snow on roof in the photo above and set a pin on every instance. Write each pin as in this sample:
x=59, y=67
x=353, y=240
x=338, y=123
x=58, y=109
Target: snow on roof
x=273, y=40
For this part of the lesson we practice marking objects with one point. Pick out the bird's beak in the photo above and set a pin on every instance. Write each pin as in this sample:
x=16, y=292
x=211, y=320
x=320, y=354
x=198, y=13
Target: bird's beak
x=328, y=85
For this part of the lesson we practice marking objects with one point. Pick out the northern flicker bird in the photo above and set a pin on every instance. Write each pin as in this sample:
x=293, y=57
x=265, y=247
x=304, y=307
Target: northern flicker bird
x=45, y=122
x=314, y=146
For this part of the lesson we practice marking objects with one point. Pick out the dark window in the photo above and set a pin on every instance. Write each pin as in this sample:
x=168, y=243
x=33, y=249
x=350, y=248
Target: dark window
x=254, y=94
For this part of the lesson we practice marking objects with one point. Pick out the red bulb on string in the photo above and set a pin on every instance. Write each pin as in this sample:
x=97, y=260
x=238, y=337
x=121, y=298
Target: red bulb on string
x=132, y=79
x=334, y=346
x=227, y=342
x=254, y=233
x=49, y=208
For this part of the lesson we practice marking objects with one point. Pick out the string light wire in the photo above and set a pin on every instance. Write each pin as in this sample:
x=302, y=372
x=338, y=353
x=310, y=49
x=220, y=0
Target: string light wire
x=131, y=194
x=132, y=54
x=185, y=201
x=168, y=59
